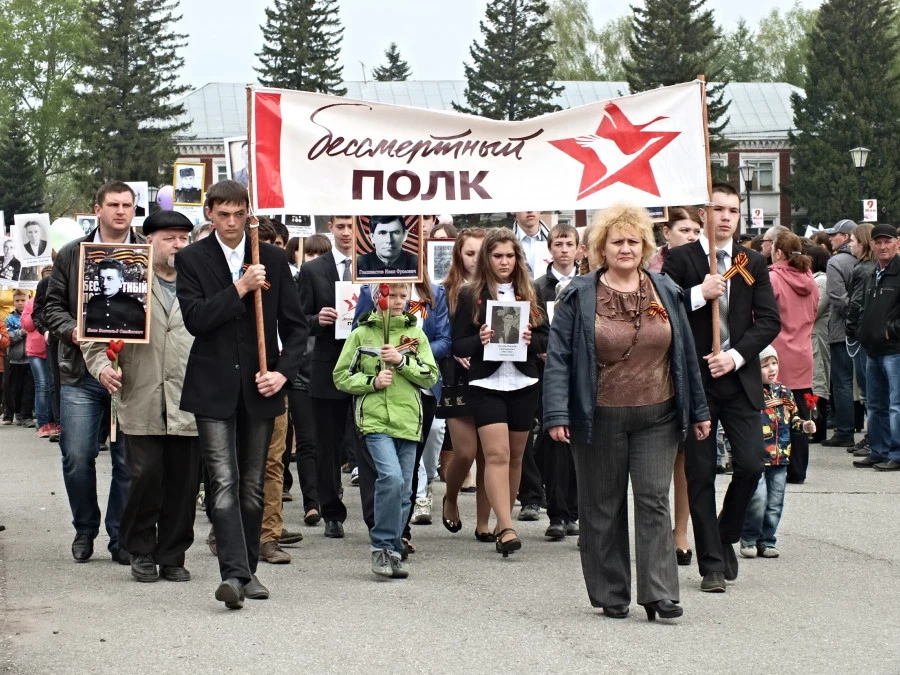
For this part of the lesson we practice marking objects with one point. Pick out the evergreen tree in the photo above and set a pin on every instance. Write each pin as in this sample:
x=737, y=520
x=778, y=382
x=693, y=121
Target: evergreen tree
x=852, y=98
x=740, y=54
x=128, y=113
x=673, y=42
x=396, y=69
x=21, y=179
x=510, y=75
x=301, y=47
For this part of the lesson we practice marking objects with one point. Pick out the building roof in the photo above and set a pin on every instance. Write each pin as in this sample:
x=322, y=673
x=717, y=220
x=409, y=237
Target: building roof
x=759, y=110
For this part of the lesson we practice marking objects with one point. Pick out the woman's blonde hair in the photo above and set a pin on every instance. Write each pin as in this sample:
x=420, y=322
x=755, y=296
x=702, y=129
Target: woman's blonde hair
x=629, y=219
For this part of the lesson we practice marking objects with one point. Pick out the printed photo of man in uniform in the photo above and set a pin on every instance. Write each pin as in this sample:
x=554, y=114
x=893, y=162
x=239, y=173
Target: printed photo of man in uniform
x=112, y=312
x=388, y=234
x=186, y=192
x=9, y=264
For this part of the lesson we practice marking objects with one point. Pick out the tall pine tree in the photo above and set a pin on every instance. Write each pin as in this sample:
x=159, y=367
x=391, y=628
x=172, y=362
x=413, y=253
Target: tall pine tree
x=852, y=98
x=127, y=114
x=21, y=179
x=511, y=73
x=396, y=69
x=301, y=47
x=673, y=42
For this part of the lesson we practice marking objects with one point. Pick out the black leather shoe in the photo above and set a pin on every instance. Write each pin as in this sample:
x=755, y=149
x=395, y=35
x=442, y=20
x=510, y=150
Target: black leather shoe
x=731, y=562
x=839, y=441
x=121, y=556
x=713, y=582
x=255, y=590
x=889, y=465
x=334, y=529
x=665, y=608
x=683, y=556
x=174, y=573
x=82, y=547
x=556, y=531
x=231, y=592
x=616, y=611
x=866, y=462
x=572, y=529
x=143, y=569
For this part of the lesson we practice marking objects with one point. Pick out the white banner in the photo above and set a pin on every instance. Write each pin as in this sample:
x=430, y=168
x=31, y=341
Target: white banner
x=757, y=218
x=314, y=153
x=870, y=210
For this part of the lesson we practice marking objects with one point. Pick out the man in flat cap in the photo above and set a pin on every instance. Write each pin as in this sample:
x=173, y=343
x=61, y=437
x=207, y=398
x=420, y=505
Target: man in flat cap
x=187, y=192
x=112, y=313
x=161, y=450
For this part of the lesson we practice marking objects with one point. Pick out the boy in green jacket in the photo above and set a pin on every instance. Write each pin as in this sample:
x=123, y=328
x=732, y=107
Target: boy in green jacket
x=385, y=368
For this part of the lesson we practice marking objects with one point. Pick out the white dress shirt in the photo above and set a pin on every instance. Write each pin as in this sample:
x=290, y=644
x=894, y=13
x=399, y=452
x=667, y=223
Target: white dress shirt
x=507, y=377
x=339, y=259
x=233, y=256
x=563, y=277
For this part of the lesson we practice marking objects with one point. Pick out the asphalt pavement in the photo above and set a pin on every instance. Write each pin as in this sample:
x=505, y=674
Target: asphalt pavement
x=827, y=605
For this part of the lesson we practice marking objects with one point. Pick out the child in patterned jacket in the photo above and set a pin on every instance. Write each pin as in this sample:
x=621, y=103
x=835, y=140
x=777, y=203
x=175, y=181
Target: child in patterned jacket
x=779, y=418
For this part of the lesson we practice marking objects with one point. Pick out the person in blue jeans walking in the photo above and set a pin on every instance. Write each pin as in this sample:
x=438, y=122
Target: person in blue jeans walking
x=385, y=368
x=84, y=403
x=779, y=418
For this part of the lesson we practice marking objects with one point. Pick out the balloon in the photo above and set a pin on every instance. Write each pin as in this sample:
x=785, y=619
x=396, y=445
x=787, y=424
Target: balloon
x=164, y=197
x=64, y=230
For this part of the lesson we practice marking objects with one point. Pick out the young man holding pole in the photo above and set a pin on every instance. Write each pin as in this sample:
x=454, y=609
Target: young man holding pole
x=739, y=291
x=234, y=396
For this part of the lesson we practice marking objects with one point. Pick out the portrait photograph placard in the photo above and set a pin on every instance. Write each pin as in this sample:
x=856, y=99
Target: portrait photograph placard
x=387, y=248
x=346, y=297
x=508, y=320
x=114, y=292
x=236, y=159
x=189, y=179
x=30, y=235
x=10, y=265
x=141, y=198
x=299, y=226
x=440, y=256
x=86, y=221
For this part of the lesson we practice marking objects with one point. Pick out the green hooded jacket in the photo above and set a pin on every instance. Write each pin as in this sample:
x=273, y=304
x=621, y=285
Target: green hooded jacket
x=397, y=409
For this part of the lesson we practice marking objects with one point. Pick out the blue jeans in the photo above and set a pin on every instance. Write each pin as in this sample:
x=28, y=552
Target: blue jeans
x=42, y=389
x=394, y=460
x=764, y=511
x=842, y=388
x=883, y=405
x=83, y=409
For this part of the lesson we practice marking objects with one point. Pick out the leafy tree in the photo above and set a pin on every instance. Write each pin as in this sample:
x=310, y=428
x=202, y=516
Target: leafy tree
x=574, y=39
x=740, y=54
x=301, y=46
x=783, y=42
x=612, y=42
x=852, y=98
x=21, y=179
x=128, y=111
x=673, y=42
x=396, y=69
x=510, y=75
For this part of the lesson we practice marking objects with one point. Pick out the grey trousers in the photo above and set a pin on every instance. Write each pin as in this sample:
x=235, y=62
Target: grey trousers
x=640, y=442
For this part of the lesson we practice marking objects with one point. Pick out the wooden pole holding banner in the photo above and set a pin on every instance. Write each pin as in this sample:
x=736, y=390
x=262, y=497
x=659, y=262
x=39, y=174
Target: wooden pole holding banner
x=254, y=238
x=708, y=226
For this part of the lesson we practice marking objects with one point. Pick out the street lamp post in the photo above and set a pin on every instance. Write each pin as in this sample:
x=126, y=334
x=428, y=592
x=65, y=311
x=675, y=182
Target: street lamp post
x=747, y=176
x=859, y=156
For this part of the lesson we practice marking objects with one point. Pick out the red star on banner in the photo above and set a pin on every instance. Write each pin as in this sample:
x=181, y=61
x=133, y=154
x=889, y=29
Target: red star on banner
x=351, y=303
x=618, y=152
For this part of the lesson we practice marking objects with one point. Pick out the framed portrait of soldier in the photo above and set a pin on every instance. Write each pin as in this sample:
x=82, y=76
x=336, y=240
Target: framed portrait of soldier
x=189, y=179
x=508, y=320
x=440, y=257
x=114, y=292
x=10, y=265
x=387, y=248
x=86, y=221
x=141, y=198
x=236, y=159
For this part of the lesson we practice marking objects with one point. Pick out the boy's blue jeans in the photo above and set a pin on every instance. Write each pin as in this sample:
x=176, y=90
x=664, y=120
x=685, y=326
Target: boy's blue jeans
x=764, y=511
x=394, y=460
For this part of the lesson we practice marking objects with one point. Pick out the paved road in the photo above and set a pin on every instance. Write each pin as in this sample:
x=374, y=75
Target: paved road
x=827, y=605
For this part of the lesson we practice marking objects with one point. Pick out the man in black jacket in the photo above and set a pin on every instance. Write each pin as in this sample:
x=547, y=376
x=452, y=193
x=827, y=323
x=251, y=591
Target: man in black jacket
x=234, y=403
x=878, y=330
x=749, y=322
x=84, y=402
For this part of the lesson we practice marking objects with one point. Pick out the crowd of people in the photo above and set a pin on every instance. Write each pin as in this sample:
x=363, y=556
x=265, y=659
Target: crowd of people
x=633, y=357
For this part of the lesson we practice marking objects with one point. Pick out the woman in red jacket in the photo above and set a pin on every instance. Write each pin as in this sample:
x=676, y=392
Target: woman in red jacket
x=797, y=295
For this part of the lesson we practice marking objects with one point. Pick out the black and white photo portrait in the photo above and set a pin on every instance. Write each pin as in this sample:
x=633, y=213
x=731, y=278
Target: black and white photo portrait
x=505, y=324
x=141, y=198
x=30, y=233
x=189, y=180
x=508, y=320
x=10, y=266
x=86, y=222
x=237, y=159
x=382, y=251
x=440, y=256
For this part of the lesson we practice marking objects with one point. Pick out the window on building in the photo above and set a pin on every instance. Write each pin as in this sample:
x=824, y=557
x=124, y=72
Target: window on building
x=763, y=175
x=219, y=170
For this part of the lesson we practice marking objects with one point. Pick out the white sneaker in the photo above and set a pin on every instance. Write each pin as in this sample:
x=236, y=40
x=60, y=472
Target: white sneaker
x=769, y=552
x=354, y=476
x=422, y=512
x=748, y=550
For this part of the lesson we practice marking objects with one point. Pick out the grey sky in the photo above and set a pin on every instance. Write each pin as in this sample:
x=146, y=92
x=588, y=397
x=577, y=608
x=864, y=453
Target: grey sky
x=433, y=35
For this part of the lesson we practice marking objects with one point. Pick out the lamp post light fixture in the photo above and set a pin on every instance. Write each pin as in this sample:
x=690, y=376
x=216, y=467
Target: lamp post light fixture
x=152, y=193
x=747, y=176
x=859, y=156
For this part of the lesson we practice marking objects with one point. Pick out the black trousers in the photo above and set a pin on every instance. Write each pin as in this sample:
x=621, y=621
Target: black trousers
x=796, y=470
x=562, y=483
x=531, y=485
x=235, y=451
x=158, y=519
x=330, y=416
x=741, y=420
x=53, y=369
x=18, y=390
x=301, y=409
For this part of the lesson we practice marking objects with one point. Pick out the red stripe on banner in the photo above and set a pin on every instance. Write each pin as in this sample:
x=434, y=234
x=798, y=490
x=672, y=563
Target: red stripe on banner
x=267, y=150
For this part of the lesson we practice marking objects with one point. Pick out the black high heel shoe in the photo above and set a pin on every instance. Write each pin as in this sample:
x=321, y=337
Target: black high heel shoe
x=616, y=611
x=684, y=556
x=665, y=608
x=485, y=537
x=452, y=525
x=508, y=546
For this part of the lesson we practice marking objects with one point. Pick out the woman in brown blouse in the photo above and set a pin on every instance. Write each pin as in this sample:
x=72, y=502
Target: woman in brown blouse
x=622, y=385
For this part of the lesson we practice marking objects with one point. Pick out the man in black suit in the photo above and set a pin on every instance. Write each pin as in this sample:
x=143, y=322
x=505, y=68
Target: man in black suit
x=331, y=407
x=388, y=234
x=749, y=322
x=234, y=404
x=35, y=242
